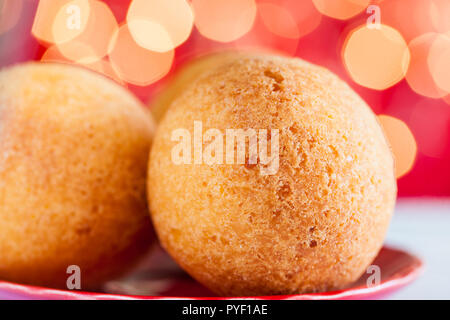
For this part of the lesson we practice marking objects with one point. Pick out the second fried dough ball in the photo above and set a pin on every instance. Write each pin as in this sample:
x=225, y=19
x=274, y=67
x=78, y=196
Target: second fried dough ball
x=313, y=225
x=73, y=159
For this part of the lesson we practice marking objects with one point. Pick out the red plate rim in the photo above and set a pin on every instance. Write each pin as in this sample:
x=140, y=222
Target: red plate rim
x=398, y=280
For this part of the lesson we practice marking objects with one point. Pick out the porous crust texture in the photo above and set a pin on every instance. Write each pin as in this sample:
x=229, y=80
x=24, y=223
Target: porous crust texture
x=73, y=159
x=313, y=226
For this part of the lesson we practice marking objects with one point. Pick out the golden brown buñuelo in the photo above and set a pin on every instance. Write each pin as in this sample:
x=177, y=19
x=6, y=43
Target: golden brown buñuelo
x=73, y=159
x=314, y=225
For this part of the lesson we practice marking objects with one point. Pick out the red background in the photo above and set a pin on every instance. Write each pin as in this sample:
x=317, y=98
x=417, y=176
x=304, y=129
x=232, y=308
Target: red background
x=430, y=176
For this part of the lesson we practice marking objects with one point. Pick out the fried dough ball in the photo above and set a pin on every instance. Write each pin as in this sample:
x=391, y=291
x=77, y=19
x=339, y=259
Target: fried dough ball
x=312, y=225
x=73, y=159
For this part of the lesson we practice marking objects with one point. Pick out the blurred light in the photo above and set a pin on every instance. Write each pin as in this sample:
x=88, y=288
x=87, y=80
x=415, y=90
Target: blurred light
x=418, y=76
x=376, y=58
x=9, y=14
x=439, y=62
x=70, y=21
x=78, y=52
x=440, y=13
x=411, y=17
x=431, y=123
x=93, y=43
x=105, y=67
x=447, y=99
x=278, y=20
x=43, y=21
x=262, y=39
x=52, y=54
x=293, y=19
x=224, y=20
x=402, y=142
x=160, y=25
x=341, y=9
x=135, y=64
x=305, y=14
x=265, y=41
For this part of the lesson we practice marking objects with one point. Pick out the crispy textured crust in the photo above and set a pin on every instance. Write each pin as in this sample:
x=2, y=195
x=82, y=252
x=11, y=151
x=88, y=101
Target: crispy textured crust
x=73, y=159
x=313, y=226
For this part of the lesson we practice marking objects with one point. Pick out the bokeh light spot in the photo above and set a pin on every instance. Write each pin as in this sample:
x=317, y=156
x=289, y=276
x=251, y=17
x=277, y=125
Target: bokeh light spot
x=440, y=15
x=93, y=43
x=447, y=99
x=376, y=58
x=411, y=18
x=224, y=20
x=261, y=39
x=150, y=35
x=431, y=125
x=43, y=21
x=418, y=76
x=341, y=9
x=305, y=14
x=135, y=64
x=160, y=25
x=402, y=142
x=439, y=61
x=70, y=21
x=9, y=14
x=278, y=20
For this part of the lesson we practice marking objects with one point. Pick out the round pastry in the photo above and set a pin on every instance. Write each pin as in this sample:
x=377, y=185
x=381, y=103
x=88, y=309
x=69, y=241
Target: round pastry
x=73, y=161
x=308, y=213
